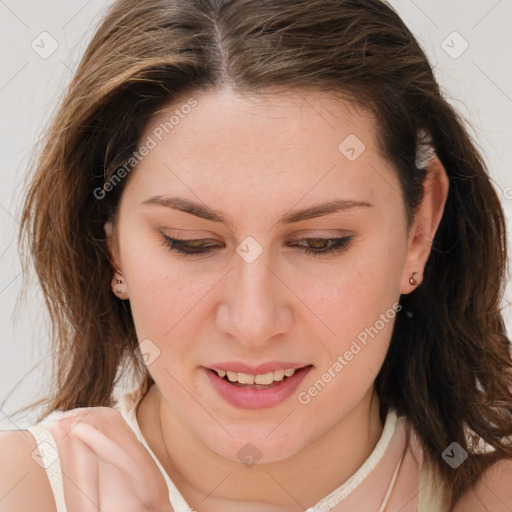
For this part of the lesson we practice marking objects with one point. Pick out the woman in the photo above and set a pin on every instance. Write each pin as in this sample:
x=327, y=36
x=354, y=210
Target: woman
x=271, y=211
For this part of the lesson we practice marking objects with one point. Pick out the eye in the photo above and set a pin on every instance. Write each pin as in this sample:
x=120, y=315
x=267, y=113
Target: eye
x=320, y=246
x=188, y=247
x=334, y=244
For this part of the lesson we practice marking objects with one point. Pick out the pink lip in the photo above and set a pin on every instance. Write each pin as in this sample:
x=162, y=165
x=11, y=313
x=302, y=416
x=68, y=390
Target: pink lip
x=260, y=369
x=250, y=398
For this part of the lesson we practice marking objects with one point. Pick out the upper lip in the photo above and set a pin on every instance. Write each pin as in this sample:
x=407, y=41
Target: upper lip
x=260, y=369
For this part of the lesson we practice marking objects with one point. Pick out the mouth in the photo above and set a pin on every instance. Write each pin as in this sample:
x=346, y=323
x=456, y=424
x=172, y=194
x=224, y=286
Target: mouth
x=265, y=386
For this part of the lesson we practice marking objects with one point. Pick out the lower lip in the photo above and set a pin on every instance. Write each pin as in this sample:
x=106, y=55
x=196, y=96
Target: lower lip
x=247, y=398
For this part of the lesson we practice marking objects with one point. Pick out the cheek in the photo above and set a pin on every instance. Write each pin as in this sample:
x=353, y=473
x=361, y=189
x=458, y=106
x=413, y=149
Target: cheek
x=351, y=293
x=158, y=290
x=162, y=305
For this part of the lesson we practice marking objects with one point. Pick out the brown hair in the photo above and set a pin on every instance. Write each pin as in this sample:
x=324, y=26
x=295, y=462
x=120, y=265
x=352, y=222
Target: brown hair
x=449, y=367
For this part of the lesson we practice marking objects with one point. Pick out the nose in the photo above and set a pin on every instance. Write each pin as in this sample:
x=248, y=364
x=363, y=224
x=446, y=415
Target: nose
x=256, y=304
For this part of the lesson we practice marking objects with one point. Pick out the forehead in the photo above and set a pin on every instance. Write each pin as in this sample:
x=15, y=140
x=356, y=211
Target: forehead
x=282, y=146
x=307, y=119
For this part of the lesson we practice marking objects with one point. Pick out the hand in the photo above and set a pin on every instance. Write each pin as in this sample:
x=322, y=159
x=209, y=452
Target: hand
x=104, y=466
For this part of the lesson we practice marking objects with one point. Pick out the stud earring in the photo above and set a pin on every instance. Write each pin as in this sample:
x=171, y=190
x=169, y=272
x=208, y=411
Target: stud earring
x=412, y=281
x=117, y=284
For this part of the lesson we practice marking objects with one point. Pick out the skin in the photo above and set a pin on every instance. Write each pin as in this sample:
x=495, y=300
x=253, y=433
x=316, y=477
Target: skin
x=254, y=160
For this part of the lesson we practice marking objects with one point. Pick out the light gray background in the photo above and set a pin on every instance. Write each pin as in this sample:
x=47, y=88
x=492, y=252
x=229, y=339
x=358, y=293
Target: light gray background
x=478, y=83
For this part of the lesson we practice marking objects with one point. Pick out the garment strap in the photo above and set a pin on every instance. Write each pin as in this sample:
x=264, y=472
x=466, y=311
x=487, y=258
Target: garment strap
x=392, y=484
x=50, y=456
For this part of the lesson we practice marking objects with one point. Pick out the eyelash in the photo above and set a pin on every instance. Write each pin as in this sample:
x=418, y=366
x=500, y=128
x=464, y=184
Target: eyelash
x=179, y=246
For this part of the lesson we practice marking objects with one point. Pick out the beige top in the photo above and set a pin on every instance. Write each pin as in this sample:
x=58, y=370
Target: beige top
x=389, y=480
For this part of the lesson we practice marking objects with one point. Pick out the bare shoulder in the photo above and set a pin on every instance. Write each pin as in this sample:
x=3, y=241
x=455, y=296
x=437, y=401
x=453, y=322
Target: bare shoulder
x=493, y=491
x=24, y=484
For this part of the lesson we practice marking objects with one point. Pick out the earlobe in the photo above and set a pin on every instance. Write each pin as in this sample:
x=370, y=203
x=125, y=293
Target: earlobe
x=119, y=285
x=426, y=222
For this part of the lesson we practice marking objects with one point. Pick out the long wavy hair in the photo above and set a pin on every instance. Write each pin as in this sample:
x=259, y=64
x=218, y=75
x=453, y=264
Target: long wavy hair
x=448, y=370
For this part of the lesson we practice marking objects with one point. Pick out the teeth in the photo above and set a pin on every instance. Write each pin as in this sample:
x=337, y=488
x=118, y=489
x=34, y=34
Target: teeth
x=266, y=378
x=243, y=378
x=263, y=379
x=279, y=375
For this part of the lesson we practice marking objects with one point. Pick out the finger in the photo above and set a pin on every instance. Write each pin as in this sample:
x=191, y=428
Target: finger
x=110, y=422
x=106, y=450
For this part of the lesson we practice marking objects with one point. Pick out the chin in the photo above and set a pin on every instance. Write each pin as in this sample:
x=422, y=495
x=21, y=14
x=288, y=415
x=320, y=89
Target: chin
x=265, y=444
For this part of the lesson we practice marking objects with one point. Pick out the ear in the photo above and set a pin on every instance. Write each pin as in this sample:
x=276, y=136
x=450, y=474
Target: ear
x=426, y=221
x=112, y=246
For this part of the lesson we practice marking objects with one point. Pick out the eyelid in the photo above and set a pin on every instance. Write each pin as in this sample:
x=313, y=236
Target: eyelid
x=322, y=233
x=185, y=233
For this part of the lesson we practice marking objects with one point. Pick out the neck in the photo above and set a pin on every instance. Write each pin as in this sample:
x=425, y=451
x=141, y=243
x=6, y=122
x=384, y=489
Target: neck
x=210, y=482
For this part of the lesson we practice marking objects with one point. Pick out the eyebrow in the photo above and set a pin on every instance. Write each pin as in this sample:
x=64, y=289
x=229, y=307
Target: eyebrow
x=204, y=212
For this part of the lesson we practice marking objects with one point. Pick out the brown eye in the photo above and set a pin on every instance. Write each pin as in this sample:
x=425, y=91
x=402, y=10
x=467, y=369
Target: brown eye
x=188, y=247
x=326, y=245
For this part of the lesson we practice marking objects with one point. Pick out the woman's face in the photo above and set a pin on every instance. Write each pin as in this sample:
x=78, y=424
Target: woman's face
x=255, y=177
